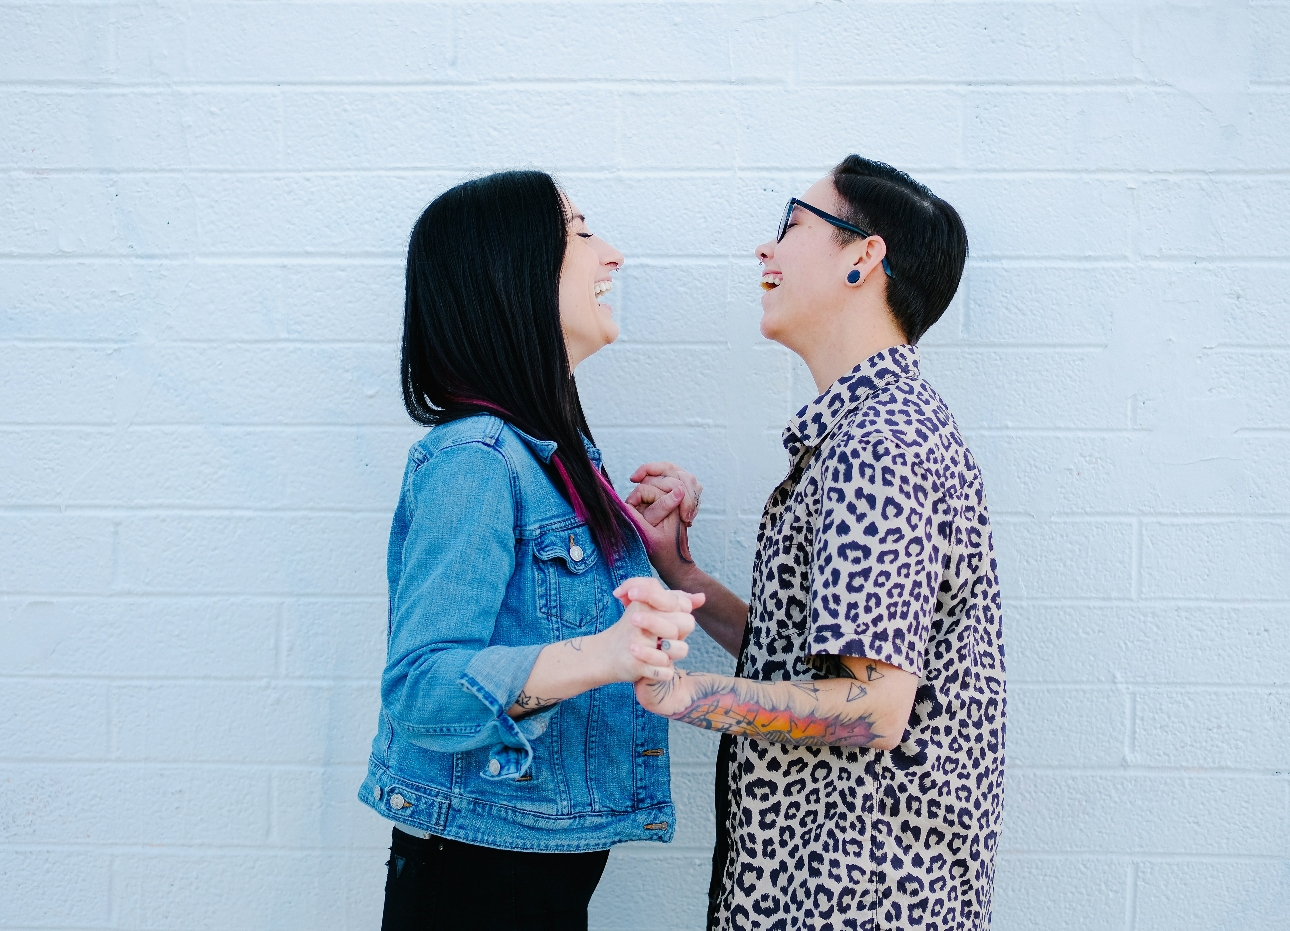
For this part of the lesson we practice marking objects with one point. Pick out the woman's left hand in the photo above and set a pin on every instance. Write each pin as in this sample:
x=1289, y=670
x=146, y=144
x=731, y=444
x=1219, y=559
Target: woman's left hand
x=679, y=489
x=670, y=697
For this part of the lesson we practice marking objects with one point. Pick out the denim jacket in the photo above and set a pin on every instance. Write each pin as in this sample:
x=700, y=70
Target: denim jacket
x=487, y=564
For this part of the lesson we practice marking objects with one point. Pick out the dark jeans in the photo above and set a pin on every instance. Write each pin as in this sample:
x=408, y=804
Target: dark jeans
x=444, y=885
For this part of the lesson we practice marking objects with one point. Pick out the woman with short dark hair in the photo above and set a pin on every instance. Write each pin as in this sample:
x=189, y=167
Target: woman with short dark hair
x=860, y=771
x=510, y=751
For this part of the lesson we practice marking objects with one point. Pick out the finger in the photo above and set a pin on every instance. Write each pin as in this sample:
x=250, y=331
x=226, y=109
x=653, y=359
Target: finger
x=650, y=656
x=672, y=625
x=644, y=495
x=684, y=622
x=657, y=512
x=638, y=583
x=639, y=588
x=650, y=593
x=654, y=625
x=665, y=482
x=658, y=673
x=651, y=468
x=676, y=649
x=653, y=488
x=697, y=600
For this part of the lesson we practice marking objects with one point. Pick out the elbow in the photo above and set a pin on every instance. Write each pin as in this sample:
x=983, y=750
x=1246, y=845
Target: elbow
x=889, y=729
x=886, y=741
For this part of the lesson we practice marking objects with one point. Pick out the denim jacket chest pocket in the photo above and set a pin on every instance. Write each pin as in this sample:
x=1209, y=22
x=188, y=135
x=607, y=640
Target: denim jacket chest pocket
x=569, y=593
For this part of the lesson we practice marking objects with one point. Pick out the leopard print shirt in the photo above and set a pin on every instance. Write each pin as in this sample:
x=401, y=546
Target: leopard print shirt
x=876, y=545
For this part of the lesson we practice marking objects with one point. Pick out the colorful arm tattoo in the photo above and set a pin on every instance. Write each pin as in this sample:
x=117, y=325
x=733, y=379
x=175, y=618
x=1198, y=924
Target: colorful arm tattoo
x=783, y=712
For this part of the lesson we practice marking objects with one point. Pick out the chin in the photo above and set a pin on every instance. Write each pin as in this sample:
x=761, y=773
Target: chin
x=771, y=325
x=609, y=328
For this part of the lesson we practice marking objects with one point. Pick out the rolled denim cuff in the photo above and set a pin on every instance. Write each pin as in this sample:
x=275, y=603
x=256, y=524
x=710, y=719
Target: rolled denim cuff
x=496, y=676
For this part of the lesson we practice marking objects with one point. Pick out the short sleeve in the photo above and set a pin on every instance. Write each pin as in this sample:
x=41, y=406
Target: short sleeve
x=876, y=559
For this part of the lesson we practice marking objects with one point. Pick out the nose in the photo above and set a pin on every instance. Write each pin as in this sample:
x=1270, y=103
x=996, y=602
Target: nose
x=765, y=252
x=608, y=254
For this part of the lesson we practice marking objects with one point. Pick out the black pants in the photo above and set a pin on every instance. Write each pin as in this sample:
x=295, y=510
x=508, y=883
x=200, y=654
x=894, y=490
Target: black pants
x=444, y=885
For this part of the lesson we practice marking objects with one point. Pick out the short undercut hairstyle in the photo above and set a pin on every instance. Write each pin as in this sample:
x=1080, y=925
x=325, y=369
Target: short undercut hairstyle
x=927, y=245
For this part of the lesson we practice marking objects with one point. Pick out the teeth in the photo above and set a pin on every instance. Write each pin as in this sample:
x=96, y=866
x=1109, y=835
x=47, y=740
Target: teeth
x=604, y=287
x=771, y=280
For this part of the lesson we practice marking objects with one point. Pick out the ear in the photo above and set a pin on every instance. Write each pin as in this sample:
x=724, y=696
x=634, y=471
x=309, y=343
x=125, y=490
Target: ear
x=868, y=255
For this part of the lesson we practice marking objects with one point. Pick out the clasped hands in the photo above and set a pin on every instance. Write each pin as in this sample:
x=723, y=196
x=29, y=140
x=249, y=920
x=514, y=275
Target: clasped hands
x=657, y=619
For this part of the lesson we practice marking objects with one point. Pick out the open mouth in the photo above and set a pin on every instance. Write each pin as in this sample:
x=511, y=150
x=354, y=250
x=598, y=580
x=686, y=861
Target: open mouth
x=771, y=280
x=603, y=288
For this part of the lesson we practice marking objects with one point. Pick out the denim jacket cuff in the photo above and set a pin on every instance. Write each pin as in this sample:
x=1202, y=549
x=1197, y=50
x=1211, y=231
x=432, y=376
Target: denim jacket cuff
x=496, y=676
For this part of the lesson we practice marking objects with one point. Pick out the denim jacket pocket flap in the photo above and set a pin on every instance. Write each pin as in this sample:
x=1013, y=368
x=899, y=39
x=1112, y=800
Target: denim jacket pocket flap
x=574, y=548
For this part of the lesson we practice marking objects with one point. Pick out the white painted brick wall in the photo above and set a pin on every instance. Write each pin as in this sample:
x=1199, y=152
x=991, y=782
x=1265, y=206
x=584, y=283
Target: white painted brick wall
x=204, y=209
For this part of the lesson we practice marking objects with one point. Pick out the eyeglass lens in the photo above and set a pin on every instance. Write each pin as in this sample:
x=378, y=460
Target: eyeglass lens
x=783, y=221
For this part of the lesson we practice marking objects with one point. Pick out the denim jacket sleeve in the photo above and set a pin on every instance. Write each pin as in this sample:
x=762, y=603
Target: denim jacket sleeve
x=444, y=687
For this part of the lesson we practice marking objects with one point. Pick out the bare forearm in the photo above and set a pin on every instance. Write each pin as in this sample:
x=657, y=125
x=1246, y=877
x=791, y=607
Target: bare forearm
x=723, y=615
x=562, y=670
x=822, y=712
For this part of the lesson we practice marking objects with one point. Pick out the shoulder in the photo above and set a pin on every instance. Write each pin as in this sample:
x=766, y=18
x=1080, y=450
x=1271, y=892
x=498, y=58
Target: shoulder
x=465, y=454
x=901, y=428
x=481, y=429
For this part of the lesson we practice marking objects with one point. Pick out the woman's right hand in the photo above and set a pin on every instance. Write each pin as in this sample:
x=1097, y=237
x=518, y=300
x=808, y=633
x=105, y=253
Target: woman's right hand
x=668, y=541
x=651, y=633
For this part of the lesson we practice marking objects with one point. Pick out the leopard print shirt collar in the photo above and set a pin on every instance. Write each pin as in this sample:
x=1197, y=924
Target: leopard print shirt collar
x=814, y=421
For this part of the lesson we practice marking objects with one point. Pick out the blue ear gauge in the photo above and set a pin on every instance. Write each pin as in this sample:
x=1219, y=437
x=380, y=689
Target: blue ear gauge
x=853, y=276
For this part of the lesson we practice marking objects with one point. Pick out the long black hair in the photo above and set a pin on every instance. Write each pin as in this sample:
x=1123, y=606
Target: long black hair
x=481, y=328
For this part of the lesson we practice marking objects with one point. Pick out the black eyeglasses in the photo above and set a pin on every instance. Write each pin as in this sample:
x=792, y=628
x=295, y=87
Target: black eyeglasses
x=827, y=218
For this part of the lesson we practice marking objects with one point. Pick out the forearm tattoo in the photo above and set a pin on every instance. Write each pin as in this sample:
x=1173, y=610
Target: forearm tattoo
x=531, y=703
x=758, y=709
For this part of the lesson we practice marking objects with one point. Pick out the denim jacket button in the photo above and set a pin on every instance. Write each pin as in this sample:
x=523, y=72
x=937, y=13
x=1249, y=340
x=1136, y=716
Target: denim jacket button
x=494, y=767
x=397, y=801
x=575, y=552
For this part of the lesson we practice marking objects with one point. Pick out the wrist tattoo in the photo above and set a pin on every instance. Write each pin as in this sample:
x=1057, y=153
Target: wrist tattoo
x=530, y=703
x=683, y=544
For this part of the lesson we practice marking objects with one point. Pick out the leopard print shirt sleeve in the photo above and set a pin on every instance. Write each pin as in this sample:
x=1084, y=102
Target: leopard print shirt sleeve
x=877, y=553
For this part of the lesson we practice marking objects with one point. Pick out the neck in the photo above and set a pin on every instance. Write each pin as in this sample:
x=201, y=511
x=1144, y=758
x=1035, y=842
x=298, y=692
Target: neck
x=857, y=336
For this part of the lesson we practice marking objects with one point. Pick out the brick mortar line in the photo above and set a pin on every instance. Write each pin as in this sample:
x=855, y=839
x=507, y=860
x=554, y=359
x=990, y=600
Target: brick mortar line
x=287, y=680
x=962, y=344
x=359, y=258
x=1209, y=260
x=309, y=597
x=1180, y=771
x=770, y=432
x=735, y=172
x=662, y=86
x=645, y=850
x=1072, y=347
x=396, y=261
x=187, y=509
x=295, y=769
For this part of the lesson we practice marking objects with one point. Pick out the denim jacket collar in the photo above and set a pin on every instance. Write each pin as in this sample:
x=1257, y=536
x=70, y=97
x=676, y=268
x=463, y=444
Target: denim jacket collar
x=545, y=449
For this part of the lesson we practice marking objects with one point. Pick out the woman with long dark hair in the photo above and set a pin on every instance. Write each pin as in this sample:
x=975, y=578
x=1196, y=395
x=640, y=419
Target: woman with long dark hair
x=511, y=752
